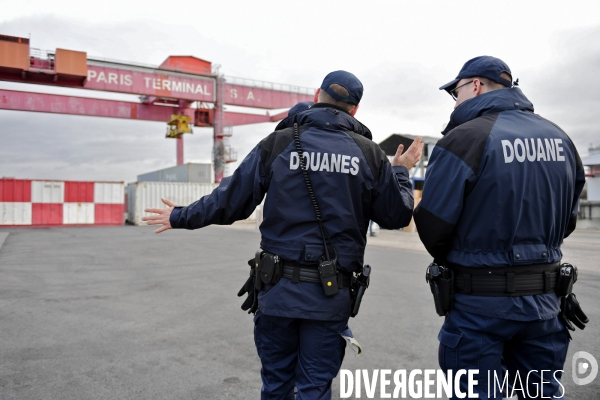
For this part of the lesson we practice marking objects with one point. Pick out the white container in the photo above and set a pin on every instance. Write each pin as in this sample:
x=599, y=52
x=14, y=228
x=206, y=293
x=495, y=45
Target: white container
x=142, y=195
x=190, y=172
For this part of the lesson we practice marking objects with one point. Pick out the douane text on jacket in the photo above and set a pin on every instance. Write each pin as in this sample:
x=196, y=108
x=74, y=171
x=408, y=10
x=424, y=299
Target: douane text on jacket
x=326, y=162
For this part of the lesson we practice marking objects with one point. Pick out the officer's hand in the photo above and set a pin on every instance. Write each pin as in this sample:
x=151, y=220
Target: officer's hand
x=411, y=156
x=162, y=218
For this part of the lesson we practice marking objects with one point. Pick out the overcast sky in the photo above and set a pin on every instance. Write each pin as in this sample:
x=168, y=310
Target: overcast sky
x=401, y=50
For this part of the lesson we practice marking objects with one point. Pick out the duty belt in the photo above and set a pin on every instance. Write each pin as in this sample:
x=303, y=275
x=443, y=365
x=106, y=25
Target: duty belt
x=505, y=281
x=304, y=273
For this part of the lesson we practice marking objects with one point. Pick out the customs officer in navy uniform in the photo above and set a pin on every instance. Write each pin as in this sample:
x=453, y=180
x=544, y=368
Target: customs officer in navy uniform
x=501, y=193
x=297, y=327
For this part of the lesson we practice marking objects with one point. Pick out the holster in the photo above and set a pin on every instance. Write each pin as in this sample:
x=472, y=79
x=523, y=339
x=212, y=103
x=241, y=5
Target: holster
x=441, y=283
x=258, y=283
x=570, y=309
x=567, y=276
x=359, y=285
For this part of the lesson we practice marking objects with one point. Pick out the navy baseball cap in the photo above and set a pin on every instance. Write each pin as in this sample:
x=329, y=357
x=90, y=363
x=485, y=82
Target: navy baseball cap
x=347, y=81
x=483, y=66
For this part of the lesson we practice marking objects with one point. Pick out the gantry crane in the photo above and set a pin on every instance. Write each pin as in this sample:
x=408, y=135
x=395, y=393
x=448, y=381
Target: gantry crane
x=183, y=92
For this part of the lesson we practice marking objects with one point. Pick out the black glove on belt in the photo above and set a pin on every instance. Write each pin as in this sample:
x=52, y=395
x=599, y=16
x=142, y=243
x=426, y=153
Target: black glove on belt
x=570, y=311
x=251, y=302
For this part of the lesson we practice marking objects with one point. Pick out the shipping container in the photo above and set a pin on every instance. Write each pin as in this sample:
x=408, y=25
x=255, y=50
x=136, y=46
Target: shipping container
x=190, y=172
x=26, y=202
x=14, y=53
x=142, y=195
x=71, y=63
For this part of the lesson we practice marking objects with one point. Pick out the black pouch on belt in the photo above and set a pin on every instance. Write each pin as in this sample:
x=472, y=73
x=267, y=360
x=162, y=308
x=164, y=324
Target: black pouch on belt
x=270, y=268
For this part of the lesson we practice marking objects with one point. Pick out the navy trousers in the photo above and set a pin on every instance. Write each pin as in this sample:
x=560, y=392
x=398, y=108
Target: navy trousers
x=492, y=345
x=302, y=353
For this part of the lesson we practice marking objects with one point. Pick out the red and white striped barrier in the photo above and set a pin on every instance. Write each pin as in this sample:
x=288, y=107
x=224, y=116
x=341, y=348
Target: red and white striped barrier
x=54, y=203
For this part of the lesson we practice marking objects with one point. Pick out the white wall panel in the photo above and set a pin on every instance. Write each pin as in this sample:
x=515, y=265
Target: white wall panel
x=15, y=213
x=109, y=193
x=47, y=192
x=78, y=213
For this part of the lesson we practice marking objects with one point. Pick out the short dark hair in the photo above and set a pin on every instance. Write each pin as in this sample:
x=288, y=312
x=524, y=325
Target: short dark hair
x=491, y=85
x=324, y=97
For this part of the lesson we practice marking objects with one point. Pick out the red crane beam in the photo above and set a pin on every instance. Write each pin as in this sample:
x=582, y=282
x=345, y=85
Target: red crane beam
x=159, y=83
x=266, y=98
x=60, y=104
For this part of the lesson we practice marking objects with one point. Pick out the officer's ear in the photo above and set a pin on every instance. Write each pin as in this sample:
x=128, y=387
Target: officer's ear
x=353, y=110
x=478, y=88
x=316, y=99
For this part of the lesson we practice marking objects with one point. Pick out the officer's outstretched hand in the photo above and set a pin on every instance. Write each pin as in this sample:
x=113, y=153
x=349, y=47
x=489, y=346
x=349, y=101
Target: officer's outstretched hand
x=411, y=156
x=162, y=216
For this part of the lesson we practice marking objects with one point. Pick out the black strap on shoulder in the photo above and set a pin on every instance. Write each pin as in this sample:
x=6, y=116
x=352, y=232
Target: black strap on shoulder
x=311, y=193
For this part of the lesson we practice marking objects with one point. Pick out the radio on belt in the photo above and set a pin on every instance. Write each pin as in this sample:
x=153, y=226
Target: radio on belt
x=328, y=274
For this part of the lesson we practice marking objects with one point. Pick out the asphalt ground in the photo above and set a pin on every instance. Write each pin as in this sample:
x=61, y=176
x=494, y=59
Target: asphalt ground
x=121, y=313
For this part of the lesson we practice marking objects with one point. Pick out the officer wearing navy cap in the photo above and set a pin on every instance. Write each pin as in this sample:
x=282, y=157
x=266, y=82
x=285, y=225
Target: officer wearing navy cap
x=500, y=195
x=298, y=327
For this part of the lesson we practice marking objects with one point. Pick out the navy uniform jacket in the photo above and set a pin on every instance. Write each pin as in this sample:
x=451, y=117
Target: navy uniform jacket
x=353, y=181
x=501, y=189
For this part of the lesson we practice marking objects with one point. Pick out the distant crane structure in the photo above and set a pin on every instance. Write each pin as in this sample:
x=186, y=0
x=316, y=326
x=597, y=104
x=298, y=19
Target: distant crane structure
x=183, y=92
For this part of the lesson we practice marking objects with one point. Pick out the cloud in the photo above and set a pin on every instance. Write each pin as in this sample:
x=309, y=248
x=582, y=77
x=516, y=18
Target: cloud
x=566, y=91
x=404, y=98
x=137, y=40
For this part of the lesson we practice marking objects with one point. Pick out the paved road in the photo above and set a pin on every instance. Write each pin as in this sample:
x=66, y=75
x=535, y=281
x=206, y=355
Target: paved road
x=121, y=313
